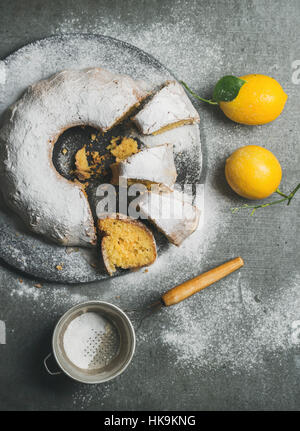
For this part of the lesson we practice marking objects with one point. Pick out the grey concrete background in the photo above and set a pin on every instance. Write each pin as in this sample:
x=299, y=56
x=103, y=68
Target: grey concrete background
x=199, y=41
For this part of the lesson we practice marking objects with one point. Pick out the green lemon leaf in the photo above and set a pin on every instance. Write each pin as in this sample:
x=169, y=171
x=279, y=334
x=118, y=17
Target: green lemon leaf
x=227, y=88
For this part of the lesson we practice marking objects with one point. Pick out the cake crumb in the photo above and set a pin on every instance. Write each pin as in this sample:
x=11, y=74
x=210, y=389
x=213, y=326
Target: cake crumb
x=86, y=169
x=59, y=267
x=20, y=280
x=82, y=165
x=122, y=151
x=64, y=151
x=114, y=142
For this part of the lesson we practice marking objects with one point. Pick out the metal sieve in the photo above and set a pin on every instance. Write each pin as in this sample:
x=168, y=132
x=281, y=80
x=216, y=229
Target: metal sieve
x=93, y=342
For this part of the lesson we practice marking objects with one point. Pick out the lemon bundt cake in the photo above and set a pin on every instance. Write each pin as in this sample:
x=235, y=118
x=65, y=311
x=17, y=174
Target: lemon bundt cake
x=169, y=108
x=171, y=213
x=125, y=243
x=150, y=165
x=48, y=203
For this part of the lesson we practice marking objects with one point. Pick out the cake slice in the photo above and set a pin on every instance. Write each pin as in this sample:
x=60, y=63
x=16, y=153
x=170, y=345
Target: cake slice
x=150, y=165
x=116, y=96
x=169, y=108
x=125, y=243
x=171, y=213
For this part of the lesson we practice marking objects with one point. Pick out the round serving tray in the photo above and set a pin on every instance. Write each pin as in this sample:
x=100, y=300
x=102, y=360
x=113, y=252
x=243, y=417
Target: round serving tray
x=31, y=253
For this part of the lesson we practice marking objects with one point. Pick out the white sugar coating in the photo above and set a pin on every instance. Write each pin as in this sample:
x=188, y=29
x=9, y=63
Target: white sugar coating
x=79, y=52
x=171, y=213
x=2, y=73
x=182, y=138
x=168, y=106
x=154, y=164
x=49, y=204
x=90, y=341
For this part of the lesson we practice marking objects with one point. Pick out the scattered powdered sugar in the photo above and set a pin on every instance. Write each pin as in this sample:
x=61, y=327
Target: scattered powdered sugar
x=221, y=327
x=86, y=395
x=219, y=332
x=230, y=327
x=2, y=73
x=159, y=38
x=26, y=291
x=46, y=298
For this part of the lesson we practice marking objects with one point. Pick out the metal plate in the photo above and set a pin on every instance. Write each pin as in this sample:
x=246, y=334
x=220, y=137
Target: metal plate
x=22, y=249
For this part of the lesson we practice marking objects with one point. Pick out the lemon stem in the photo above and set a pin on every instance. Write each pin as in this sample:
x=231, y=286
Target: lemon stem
x=292, y=194
x=211, y=102
x=280, y=193
x=255, y=207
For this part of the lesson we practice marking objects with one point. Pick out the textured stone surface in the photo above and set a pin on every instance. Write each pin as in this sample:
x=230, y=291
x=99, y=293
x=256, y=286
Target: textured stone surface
x=234, y=346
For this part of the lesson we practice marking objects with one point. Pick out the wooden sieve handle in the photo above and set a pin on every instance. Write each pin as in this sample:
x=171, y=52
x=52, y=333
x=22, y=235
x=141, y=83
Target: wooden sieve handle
x=190, y=287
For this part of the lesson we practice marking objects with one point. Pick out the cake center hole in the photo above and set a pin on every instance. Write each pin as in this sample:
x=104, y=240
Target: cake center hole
x=84, y=153
x=69, y=143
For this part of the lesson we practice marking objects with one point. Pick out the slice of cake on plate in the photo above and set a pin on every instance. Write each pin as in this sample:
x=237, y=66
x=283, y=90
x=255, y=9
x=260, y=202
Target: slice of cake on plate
x=169, y=108
x=125, y=243
x=171, y=213
x=150, y=165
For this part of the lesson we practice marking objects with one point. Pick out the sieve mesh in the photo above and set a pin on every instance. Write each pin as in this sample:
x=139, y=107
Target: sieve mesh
x=91, y=342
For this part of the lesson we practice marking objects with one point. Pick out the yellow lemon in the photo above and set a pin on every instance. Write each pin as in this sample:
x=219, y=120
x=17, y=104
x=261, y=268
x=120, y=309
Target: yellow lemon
x=260, y=100
x=253, y=172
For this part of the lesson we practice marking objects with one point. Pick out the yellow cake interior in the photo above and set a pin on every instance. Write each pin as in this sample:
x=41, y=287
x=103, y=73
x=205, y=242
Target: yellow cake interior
x=173, y=126
x=126, y=244
x=126, y=148
x=145, y=183
x=82, y=166
x=127, y=113
x=90, y=164
x=85, y=170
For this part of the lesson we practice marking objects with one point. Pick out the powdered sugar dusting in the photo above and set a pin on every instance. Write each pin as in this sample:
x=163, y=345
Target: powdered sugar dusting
x=223, y=332
x=234, y=326
x=90, y=341
x=169, y=49
x=2, y=73
x=27, y=66
x=46, y=298
x=50, y=205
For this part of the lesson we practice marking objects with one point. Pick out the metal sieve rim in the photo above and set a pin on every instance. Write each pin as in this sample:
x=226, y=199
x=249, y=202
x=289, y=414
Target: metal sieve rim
x=86, y=305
